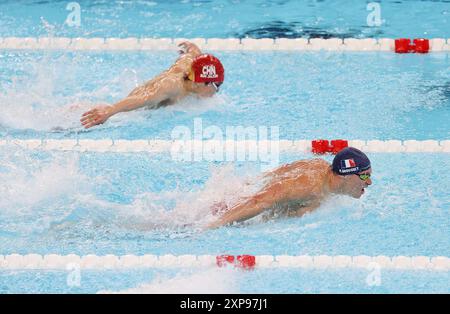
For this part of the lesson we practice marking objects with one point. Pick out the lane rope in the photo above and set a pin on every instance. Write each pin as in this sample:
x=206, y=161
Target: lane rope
x=61, y=262
x=155, y=146
x=237, y=44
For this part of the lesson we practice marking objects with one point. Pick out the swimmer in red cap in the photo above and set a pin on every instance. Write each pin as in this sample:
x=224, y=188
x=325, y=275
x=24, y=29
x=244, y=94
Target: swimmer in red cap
x=193, y=73
x=297, y=188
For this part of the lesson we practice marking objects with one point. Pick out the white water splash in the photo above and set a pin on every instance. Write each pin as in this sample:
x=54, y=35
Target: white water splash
x=212, y=281
x=32, y=101
x=36, y=193
x=52, y=191
x=192, y=208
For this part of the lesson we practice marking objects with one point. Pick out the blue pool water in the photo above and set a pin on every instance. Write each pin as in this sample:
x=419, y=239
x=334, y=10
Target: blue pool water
x=307, y=95
x=226, y=18
x=139, y=203
x=222, y=281
x=136, y=203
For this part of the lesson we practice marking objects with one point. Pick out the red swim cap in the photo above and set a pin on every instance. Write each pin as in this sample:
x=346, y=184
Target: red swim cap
x=207, y=68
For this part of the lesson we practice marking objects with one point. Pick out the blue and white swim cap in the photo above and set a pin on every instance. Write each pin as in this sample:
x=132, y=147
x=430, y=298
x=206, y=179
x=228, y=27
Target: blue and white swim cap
x=350, y=161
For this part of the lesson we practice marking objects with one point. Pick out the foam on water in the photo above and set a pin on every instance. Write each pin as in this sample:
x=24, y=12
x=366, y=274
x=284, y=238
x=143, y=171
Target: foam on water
x=194, y=208
x=54, y=190
x=211, y=281
x=33, y=100
x=36, y=194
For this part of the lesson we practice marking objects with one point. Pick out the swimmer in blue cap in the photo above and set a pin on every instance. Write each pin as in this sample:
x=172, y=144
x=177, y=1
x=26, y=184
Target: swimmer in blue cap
x=297, y=188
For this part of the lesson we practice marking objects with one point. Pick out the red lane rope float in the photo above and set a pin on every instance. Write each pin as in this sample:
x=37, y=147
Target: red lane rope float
x=324, y=146
x=240, y=261
x=246, y=261
x=419, y=45
x=224, y=260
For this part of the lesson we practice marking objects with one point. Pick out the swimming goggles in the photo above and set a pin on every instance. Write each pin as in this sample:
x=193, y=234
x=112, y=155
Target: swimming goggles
x=364, y=177
x=216, y=85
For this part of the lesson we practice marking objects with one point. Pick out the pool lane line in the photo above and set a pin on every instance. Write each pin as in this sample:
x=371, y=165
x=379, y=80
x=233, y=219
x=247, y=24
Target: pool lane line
x=218, y=44
x=65, y=262
x=175, y=146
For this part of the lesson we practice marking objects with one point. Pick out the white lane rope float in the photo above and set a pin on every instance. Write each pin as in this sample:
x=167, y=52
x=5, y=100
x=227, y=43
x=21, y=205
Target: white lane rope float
x=63, y=262
x=173, y=146
x=228, y=44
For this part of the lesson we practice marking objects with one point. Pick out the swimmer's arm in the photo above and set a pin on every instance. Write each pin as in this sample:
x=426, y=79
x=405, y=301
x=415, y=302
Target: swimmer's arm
x=142, y=96
x=278, y=192
x=303, y=210
x=135, y=102
x=188, y=52
x=190, y=49
x=246, y=210
x=148, y=95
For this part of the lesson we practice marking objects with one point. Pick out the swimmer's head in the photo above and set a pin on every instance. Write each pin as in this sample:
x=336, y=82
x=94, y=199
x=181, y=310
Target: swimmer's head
x=208, y=72
x=355, y=169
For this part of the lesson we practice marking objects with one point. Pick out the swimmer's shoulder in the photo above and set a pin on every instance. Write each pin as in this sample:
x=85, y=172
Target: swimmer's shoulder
x=310, y=164
x=320, y=162
x=163, y=80
x=182, y=65
x=320, y=166
x=300, y=167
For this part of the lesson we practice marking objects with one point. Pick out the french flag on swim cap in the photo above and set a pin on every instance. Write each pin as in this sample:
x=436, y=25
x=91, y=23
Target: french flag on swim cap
x=348, y=163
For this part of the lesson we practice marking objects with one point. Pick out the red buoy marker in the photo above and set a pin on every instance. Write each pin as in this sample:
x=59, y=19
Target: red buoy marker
x=320, y=146
x=337, y=145
x=403, y=45
x=246, y=261
x=421, y=45
x=240, y=261
x=224, y=260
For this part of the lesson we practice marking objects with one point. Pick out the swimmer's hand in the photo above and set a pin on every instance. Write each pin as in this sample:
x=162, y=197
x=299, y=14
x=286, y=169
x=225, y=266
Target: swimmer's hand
x=187, y=47
x=95, y=116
